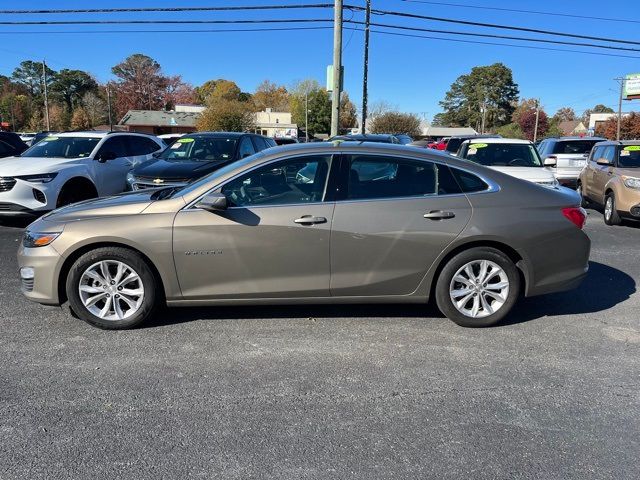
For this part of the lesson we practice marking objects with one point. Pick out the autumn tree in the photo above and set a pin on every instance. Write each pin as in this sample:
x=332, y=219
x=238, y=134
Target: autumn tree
x=600, y=108
x=524, y=105
x=95, y=107
x=396, y=122
x=491, y=88
x=80, y=120
x=565, y=114
x=527, y=123
x=629, y=127
x=270, y=95
x=226, y=110
x=348, y=113
x=177, y=92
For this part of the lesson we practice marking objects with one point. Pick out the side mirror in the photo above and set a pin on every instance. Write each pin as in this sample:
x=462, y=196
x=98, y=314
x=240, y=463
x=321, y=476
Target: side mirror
x=550, y=162
x=213, y=202
x=106, y=156
x=604, y=162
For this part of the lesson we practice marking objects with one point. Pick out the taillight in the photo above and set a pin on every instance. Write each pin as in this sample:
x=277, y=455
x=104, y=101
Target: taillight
x=576, y=215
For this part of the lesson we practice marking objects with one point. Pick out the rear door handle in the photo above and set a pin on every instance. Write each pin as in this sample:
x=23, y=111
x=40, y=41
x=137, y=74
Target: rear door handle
x=309, y=220
x=439, y=215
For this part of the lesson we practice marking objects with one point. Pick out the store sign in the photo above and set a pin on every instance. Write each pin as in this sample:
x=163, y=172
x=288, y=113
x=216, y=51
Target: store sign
x=632, y=86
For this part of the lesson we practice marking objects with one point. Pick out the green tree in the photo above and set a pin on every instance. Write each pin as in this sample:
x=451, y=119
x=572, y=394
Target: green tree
x=490, y=87
x=69, y=86
x=29, y=74
x=396, y=122
x=310, y=93
x=510, y=130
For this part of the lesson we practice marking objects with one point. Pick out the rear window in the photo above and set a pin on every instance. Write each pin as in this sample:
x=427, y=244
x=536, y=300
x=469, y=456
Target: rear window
x=502, y=154
x=468, y=182
x=579, y=147
x=629, y=156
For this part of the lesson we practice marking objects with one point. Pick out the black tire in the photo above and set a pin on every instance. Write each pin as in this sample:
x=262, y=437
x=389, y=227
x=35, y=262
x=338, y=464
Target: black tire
x=444, y=301
x=584, y=200
x=614, y=217
x=73, y=192
x=150, y=298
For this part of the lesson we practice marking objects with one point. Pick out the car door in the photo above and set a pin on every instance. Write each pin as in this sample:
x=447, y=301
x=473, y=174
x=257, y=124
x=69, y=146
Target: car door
x=601, y=173
x=394, y=219
x=273, y=240
x=111, y=173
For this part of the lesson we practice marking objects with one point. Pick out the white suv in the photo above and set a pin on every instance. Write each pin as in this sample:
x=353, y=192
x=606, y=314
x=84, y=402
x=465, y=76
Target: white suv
x=69, y=167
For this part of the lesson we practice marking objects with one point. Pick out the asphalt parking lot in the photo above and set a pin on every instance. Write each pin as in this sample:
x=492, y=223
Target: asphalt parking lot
x=330, y=392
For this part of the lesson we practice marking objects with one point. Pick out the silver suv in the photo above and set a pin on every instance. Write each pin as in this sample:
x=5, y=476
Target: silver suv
x=567, y=156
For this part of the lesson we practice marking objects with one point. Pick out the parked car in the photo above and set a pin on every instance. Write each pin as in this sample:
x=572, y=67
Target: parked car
x=11, y=145
x=367, y=137
x=403, y=138
x=195, y=155
x=511, y=156
x=285, y=140
x=611, y=179
x=27, y=137
x=40, y=135
x=567, y=156
x=70, y=167
x=427, y=225
x=170, y=138
x=453, y=144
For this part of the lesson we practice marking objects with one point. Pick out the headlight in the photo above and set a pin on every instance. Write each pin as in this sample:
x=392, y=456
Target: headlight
x=34, y=239
x=632, y=182
x=38, y=177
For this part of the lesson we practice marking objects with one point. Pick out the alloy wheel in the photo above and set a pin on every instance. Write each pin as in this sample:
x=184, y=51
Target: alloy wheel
x=608, y=208
x=111, y=290
x=479, y=288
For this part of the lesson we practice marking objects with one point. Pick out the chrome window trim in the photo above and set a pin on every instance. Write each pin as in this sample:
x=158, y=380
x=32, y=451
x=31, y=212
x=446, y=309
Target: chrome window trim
x=331, y=155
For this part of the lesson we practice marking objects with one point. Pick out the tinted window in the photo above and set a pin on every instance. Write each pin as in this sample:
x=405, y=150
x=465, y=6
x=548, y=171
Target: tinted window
x=596, y=153
x=502, y=155
x=542, y=147
x=372, y=177
x=142, y=145
x=579, y=147
x=201, y=149
x=629, y=156
x=469, y=182
x=291, y=181
x=5, y=149
x=246, y=148
x=62, y=147
x=609, y=153
x=270, y=142
x=116, y=145
x=453, y=144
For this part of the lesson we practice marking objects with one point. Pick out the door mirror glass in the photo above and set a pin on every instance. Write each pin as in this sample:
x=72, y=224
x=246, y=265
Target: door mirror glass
x=106, y=156
x=550, y=162
x=213, y=202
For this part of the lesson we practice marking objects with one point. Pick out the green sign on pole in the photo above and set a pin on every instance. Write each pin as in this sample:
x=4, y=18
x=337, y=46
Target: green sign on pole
x=632, y=86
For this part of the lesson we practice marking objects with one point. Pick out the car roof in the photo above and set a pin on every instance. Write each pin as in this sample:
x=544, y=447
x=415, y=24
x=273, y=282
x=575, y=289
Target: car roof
x=488, y=135
x=90, y=134
x=515, y=141
x=359, y=137
x=620, y=142
x=218, y=134
x=573, y=139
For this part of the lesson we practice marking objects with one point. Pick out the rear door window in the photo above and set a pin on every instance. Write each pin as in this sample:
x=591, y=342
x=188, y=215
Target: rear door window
x=259, y=143
x=116, y=145
x=246, y=148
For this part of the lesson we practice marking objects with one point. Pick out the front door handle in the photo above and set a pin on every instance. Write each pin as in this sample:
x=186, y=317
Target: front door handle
x=309, y=220
x=439, y=215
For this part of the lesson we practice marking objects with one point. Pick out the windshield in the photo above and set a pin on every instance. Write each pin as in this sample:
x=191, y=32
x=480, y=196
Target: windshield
x=629, y=157
x=503, y=155
x=579, y=147
x=62, y=147
x=200, y=149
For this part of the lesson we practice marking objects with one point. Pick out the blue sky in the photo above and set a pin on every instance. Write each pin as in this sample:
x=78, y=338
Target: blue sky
x=411, y=73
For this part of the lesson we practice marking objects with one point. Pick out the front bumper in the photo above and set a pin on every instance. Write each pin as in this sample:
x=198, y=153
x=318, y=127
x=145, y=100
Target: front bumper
x=25, y=198
x=14, y=210
x=46, y=264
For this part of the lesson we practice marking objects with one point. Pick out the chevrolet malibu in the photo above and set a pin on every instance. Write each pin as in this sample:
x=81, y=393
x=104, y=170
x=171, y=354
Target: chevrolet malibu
x=338, y=222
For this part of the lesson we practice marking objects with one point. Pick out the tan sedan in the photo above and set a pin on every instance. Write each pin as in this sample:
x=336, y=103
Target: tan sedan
x=611, y=179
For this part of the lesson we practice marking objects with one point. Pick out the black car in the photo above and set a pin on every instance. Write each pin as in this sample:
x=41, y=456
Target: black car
x=194, y=155
x=11, y=144
x=454, y=142
x=367, y=137
x=285, y=140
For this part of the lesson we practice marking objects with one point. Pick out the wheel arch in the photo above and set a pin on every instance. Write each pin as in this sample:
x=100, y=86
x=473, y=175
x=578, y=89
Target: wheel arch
x=81, y=181
x=73, y=256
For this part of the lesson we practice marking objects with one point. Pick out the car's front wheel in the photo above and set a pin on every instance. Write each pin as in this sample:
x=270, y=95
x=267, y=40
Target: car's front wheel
x=112, y=288
x=478, y=287
x=611, y=215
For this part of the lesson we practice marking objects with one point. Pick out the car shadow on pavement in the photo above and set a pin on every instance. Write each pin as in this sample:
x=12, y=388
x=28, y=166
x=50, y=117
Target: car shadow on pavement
x=18, y=222
x=603, y=288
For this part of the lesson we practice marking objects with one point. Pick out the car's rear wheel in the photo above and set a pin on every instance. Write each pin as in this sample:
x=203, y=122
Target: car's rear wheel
x=112, y=288
x=611, y=215
x=478, y=287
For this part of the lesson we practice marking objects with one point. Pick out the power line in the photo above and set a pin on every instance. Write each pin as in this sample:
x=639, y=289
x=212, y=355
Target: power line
x=492, y=25
x=514, y=10
x=167, y=9
x=505, y=37
x=165, y=22
x=476, y=42
x=231, y=30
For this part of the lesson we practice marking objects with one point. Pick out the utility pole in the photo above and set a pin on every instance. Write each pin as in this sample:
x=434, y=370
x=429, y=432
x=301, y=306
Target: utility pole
x=109, y=108
x=622, y=81
x=535, y=129
x=46, y=99
x=306, y=114
x=337, y=67
x=365, y=76
x=484, y=116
